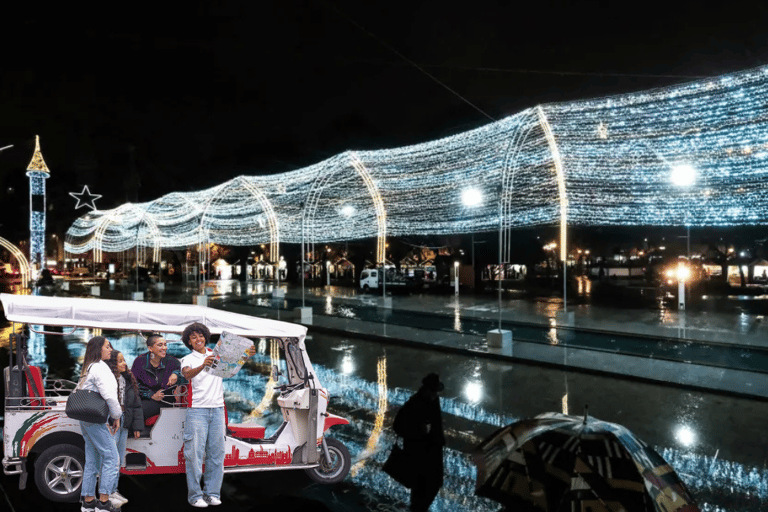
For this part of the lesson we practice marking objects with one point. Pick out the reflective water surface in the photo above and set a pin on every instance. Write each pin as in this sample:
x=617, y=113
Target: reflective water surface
x=717, y=443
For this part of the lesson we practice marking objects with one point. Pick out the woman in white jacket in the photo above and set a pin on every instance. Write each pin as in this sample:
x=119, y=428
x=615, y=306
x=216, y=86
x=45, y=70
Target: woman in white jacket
x=101, y=455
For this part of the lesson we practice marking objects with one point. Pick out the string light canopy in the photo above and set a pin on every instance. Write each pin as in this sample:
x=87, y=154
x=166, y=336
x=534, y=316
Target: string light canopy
x=693, y=154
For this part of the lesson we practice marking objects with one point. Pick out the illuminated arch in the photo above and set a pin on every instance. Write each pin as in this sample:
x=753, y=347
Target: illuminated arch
x=316, y=190
x=20, y=259
x=266, y=206
x=112, y=218
x=560, y=182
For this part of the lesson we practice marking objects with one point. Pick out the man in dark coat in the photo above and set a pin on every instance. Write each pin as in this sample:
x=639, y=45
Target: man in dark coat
x=420, y=424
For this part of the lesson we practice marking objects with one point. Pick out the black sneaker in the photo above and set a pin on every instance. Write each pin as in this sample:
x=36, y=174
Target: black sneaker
x=105, y=506
x=88, y=506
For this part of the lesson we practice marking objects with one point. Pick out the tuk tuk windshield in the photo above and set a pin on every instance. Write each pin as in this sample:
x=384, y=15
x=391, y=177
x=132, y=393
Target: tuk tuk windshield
x=294, y=359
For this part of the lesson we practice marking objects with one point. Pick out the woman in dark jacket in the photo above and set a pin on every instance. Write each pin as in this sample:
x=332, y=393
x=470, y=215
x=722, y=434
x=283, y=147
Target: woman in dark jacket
x=158, y=375
x=133, y=416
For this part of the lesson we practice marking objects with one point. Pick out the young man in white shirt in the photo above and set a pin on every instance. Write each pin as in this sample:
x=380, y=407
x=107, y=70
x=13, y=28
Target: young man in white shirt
x=205, y=428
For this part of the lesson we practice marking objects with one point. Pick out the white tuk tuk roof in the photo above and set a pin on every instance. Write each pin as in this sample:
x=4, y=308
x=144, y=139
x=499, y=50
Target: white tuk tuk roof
x=127, y=315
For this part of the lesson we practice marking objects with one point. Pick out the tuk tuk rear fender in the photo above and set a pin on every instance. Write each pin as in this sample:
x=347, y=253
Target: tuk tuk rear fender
x=332, y=419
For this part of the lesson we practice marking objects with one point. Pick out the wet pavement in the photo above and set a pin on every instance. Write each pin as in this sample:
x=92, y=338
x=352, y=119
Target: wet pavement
x=715, y=441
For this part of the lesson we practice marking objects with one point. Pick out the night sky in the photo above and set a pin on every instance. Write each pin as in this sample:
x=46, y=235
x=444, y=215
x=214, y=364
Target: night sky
x=140, y=101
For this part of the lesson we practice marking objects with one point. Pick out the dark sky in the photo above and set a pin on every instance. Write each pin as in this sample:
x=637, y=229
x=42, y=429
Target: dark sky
x=139, y=101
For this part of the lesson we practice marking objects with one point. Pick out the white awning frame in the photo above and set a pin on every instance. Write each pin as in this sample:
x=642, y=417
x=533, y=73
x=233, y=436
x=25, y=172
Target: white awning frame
x=126, y=315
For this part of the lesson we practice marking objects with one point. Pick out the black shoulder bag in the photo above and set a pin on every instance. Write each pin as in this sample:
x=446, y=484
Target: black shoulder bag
x=86, y=405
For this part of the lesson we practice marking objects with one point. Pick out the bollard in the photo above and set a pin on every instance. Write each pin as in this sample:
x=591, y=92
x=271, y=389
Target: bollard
x=500, y=338
x=303, y=315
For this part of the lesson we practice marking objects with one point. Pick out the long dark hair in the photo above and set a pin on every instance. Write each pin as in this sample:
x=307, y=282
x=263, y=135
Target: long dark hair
x=92, y=353
x=127, y=375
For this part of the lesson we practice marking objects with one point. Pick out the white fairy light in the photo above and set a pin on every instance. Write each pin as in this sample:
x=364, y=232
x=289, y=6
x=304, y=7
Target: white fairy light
x=548, y=165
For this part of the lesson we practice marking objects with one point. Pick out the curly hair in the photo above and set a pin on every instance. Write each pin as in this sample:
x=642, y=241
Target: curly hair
x=198, y=328
x=127, y=375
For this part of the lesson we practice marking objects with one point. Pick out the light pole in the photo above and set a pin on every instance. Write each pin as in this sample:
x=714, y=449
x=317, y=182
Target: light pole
x=683, y=176
x=304, y=313
x=471, y=198
x=683, y=272
x=500, y=338
x=302, y=255
x=456, y=277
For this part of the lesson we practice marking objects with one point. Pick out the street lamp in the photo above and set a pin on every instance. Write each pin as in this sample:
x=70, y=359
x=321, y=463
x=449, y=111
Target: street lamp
x=456, y=277
x=683, y=175
x=471, y=198
x=683, y=273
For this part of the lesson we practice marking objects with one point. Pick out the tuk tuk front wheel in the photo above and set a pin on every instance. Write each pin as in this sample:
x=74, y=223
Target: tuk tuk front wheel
x=334, y=470
x=59, y=472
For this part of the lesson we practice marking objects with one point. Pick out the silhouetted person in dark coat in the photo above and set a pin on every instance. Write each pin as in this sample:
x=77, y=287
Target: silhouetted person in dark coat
x=420, y=424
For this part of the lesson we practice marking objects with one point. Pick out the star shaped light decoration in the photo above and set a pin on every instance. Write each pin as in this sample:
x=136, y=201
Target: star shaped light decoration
x=85, y=198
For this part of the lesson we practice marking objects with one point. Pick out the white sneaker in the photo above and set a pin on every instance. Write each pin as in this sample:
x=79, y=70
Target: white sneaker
x=200, y=503
x=118, y=499
x=212, y=500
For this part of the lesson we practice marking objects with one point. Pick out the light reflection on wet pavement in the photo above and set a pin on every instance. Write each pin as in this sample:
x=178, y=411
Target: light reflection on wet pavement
x=711, y=354
x=718, y=444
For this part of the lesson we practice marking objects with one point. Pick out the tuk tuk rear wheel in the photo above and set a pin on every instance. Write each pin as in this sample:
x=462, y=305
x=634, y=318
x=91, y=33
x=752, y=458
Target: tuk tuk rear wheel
x=335, y=470
x=59, y=472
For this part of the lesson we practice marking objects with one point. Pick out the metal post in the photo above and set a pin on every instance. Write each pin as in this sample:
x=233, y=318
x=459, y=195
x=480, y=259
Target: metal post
x=456, y=278
x=384, y=277
x=500, y=264
x=302, y=255
x=137, y=259
x=565, y=281
x=474, y=273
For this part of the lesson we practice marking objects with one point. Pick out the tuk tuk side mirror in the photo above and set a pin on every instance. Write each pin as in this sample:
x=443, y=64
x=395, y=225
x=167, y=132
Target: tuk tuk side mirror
x=275, y=373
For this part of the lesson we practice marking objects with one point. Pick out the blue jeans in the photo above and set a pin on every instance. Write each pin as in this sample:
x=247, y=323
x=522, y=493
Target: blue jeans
x=121, y=436
x=204, y=432
x=100, y=458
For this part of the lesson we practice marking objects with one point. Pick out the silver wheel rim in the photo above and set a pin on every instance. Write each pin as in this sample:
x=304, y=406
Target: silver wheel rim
x=63, y=474
x=330, y=470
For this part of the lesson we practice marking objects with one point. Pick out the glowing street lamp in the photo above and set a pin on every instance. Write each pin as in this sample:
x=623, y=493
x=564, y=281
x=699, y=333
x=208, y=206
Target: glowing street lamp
x=456, y=277
x=684, y=175
x=472, y=197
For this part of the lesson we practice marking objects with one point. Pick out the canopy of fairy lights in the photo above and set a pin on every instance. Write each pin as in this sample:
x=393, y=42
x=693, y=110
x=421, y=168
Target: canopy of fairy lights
x=693, y=154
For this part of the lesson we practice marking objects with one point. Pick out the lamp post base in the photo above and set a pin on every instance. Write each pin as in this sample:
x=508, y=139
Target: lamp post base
x=303, y=315
x=500, y=339
x=565, y=317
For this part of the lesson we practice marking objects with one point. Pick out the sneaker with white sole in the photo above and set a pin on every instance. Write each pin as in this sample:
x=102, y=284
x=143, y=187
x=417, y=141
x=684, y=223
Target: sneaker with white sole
x=87, y=506
x=105, y=506
x=118, y=499
x=200, y=503
x=212, y=500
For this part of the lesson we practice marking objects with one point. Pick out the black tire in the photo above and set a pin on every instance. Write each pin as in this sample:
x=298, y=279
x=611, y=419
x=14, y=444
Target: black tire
x=59, y=472
x=337, y=470
x=366, y=288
